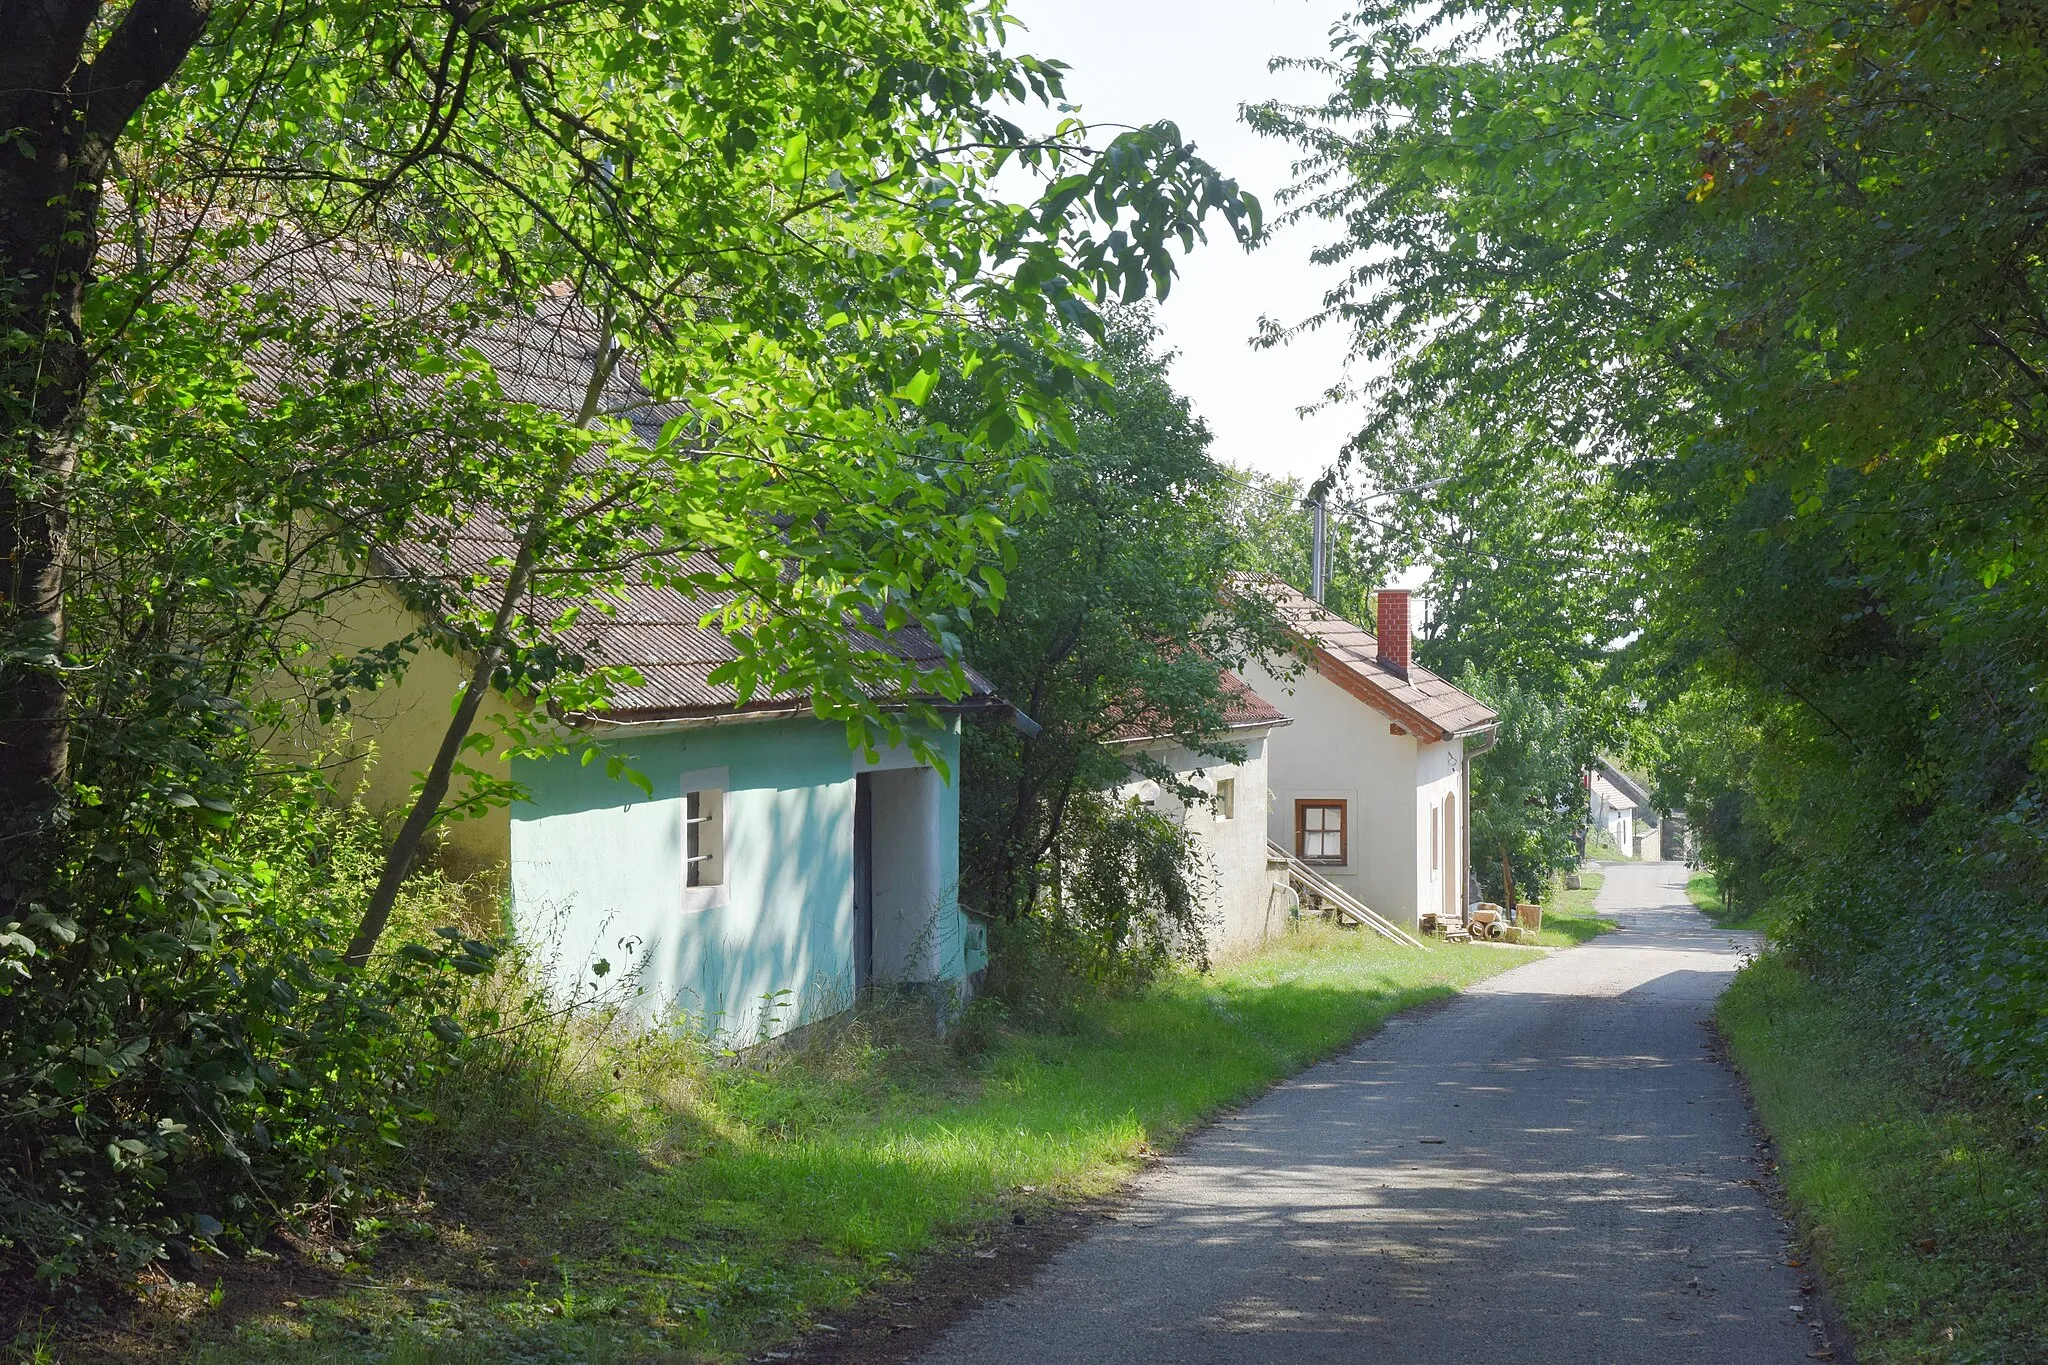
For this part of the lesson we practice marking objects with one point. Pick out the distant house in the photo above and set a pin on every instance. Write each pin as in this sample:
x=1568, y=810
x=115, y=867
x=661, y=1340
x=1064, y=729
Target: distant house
x=1619, y=808
x=1370, y=783
x=1245, y=903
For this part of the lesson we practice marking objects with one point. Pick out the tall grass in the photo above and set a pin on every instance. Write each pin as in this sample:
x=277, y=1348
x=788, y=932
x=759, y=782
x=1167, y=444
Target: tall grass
x=600, y=1190
x=1925, y=1195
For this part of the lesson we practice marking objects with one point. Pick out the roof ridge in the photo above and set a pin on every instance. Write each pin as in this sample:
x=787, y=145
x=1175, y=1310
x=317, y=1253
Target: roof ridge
x=1412, y=697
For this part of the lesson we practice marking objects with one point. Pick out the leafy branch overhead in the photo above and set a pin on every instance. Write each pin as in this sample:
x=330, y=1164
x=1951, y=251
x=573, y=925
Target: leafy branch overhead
x=500, y=312
x=1766, y=283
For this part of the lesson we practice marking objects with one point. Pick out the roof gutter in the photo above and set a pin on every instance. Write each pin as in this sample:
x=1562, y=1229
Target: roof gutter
x=671, y=724
x=662, y=725
x=1240, y=726
x=1491, y=734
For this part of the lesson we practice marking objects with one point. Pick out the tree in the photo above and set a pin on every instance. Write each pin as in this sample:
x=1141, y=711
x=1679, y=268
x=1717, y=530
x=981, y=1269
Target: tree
x=1117, y=617
x=1275, y=532
x=1528, y=801
x=70, y=83
x=777, y=213
x=1774, y=276
x=319, y=297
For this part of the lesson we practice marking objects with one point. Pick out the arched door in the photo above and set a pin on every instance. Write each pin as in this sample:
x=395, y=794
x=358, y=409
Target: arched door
x=1454, y=870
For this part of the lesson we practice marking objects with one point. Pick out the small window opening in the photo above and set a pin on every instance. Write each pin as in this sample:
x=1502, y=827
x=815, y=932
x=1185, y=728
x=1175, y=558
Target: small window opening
x=1436, y=834
x=1226, y=798
x=704, y=837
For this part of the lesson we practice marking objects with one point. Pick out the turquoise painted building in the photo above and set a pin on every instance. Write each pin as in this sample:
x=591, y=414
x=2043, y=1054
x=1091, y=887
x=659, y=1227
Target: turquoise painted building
x=773, y=874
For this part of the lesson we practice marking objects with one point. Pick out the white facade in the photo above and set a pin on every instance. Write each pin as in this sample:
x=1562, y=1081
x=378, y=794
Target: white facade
x=1245, y=905
x=1404, y=800
x=1613, y=814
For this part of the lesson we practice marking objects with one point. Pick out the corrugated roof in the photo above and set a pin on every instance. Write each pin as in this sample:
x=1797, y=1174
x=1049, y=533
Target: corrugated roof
x=545, y=357
x=1421, y=699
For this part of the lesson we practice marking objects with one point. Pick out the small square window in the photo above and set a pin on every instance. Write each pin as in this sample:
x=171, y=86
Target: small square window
x=1319, y=832
x=1226, y=798
x=704, y=837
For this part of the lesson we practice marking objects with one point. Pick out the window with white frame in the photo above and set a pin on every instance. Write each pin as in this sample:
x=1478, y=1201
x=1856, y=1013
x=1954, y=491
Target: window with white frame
x=1226, y=798
x=704, y=837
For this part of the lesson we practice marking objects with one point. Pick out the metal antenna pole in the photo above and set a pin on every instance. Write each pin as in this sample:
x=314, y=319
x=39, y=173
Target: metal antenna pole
x=1319, y=557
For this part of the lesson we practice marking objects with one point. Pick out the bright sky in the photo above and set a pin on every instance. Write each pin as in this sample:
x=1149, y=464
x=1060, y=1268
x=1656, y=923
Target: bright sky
x=1195, y=62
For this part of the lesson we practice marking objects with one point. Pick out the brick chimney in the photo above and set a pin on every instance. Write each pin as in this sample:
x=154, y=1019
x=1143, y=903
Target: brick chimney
x=1393, y=629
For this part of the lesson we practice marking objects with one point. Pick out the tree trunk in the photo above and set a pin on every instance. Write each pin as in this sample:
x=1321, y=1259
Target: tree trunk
x=1507, y=881
x=63, y=112
x=404, y=852
x=405, y=849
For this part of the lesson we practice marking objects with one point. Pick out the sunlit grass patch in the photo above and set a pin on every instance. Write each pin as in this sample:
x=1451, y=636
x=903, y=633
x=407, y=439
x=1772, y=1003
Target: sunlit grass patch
x=1923, y=1193
x=702, y=1209
x=1568, y=918
x=1703, y=889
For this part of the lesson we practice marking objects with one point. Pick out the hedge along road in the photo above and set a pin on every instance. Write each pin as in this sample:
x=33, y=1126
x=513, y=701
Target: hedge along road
x=1553, y=1167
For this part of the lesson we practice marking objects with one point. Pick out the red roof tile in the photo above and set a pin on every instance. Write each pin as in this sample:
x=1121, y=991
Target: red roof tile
x=1349, y=656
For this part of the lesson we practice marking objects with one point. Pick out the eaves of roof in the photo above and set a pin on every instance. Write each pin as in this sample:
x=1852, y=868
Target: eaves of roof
x=1231, y=727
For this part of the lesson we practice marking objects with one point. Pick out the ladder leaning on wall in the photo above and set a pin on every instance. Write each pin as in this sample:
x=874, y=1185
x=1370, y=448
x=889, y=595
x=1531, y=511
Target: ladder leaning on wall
x=1313, y=883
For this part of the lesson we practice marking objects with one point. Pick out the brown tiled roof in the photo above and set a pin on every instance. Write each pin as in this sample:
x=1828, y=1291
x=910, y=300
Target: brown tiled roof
x=1349, y=657
x=655, y=628
x=1243, y=709
x=545, y=357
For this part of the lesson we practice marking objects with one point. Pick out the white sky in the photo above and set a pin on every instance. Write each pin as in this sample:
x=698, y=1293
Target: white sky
x=1195, y=62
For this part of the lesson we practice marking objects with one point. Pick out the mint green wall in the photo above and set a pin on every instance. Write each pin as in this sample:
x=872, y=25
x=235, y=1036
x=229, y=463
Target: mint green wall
x=597, y=872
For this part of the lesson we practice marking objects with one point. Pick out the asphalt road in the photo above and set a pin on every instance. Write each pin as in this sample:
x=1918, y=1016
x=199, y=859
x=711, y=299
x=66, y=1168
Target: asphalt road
x=1552, y=1168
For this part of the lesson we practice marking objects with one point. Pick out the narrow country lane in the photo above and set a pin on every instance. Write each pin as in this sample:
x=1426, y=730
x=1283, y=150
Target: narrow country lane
x=1553, y=1168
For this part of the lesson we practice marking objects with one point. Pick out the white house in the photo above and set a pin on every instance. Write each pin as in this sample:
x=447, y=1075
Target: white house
x=1369, y=783
x=1246, y=902
x=1619, y=808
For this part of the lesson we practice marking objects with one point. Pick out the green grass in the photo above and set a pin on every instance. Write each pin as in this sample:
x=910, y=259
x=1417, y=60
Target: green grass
x=701, y=1211
x=1923, y=1194
x=1703, y=889
x=1568, y=918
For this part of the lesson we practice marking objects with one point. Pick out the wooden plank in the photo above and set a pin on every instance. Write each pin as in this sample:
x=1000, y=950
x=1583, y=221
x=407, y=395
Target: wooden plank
x=1347, y=904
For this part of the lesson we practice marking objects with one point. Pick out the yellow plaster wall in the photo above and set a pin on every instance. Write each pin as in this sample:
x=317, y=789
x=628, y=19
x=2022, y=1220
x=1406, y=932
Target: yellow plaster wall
x=393, y=733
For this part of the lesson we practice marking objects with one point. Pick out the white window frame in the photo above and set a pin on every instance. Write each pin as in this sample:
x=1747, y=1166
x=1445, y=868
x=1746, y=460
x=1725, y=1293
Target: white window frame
x=1226, y=799
x=704, y=815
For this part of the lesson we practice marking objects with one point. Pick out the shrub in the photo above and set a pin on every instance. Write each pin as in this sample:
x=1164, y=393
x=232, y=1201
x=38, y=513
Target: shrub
x=1123, y=905
x=182, y=1056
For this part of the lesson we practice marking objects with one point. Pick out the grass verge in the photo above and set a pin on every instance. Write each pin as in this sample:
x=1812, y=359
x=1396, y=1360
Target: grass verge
x=1703, y=889
x=1568, y=918
x=655, y=1204
x=1923, y=1194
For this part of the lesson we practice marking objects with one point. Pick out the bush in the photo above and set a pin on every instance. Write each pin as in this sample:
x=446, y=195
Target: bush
x=182, y=1056
x=1124, y=904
